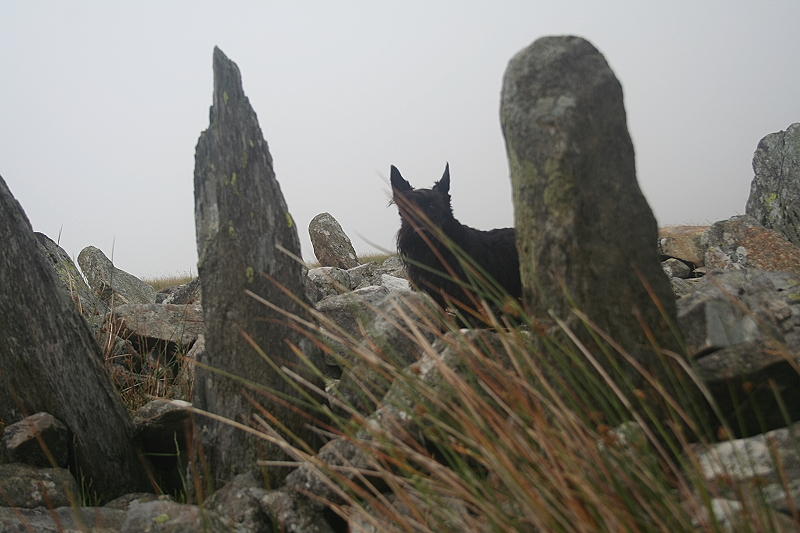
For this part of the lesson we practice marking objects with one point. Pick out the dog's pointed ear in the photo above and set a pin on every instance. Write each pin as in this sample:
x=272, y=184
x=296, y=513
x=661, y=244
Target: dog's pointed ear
x=398, y=183
x=443, y=185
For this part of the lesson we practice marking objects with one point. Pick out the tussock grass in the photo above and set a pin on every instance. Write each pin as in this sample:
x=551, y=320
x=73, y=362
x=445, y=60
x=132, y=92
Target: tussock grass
x=515, y=427
x=523, y=425
x=160, y=283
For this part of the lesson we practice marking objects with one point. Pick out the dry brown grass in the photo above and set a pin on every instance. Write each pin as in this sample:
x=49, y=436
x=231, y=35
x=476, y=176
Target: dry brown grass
x=160, y=283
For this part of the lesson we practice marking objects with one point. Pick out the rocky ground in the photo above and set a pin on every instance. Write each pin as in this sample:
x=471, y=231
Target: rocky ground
x=735, y=289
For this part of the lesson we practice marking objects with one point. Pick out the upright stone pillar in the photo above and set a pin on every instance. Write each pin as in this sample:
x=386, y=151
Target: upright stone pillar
x=242, y=222
x=585, y=233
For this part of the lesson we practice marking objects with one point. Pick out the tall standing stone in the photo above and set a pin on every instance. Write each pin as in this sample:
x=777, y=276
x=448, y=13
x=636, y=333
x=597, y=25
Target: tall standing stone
x=584, y=229
x=242, y=220
x=774, y=199
x=50, y=362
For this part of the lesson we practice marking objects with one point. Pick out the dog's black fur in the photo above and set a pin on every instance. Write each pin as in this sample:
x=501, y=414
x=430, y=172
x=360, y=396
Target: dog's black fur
x=420, y=209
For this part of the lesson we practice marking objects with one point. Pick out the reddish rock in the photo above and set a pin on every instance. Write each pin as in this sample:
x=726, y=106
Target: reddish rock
x=683, y=242
x=741, y=242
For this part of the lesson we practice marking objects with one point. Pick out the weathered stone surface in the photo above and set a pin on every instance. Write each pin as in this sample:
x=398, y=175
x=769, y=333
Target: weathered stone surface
x=37, y=440
x=188, y=293
x=330, y=280
x=295, y=513
x=746, y=326
x=170, y=517
x=87, y=303
x=332, y=246
x=675, y=268
x=768, y=463
x=448, y=514
x=123, y=502
x=389, y=336
x=394, y=284
x=243, y=227
x=742, y=306
x=683, y=287
x=362, y=275
x=741, y=242
x=774, y=199
x=683, y=242
x=157, y=326
x=349, y=309
x=393, y=266
x=112, y=285
x=61, y=520
x=29, y=487
x=50, y=362
x=240, y=502
x=583, y=226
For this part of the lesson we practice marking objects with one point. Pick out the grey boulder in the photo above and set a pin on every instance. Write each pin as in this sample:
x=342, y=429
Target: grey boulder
x=37, y=440
x=332, y=246
x=112, y=285
x=741, y=242
x=28, y=487
x=774, y=199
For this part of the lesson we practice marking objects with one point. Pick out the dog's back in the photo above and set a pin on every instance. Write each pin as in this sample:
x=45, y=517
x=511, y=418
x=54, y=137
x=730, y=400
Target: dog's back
x=430, y=263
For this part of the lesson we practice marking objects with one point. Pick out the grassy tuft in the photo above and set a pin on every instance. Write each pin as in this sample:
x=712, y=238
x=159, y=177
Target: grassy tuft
x=160, y=283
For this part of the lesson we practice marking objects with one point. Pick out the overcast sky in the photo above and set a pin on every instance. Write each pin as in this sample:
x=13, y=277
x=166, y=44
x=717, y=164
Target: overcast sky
x=101, y=106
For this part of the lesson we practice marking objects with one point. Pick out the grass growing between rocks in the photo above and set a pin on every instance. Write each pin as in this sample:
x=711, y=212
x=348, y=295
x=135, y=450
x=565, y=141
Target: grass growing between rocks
x=159, y=283
x=510, y=429
x=516, y=426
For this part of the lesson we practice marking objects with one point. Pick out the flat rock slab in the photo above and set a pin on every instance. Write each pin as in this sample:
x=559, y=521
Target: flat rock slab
x=683, y=242
x=170, y=517
x=28, y=487
x=146, y=324
x=746, y=305
x=741, y=242
x=61, y=520
x=769, y=463
x=37, y=440
x=331, y=280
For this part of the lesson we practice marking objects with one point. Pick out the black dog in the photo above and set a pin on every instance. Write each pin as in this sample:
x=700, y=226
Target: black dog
x=427, y=234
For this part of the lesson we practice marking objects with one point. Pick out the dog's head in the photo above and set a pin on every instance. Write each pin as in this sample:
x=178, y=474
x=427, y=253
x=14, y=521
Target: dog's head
x=417, y=205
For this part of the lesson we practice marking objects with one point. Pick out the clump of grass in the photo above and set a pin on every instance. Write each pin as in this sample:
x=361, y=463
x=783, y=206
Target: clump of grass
x=378, y=257
x=511, y=430
x=515, y=427
x=160, y=283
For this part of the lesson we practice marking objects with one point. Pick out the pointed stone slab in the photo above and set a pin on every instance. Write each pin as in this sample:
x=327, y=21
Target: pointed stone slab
x=241, y=221
x=50, y=362
x=84, y=298
x=582, y=222
x=112, y=285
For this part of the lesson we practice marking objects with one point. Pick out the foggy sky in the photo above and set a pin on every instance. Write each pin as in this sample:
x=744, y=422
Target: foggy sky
x=101, y=106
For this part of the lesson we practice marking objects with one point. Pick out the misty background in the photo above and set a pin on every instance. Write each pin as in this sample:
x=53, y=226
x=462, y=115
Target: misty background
x=101, y=105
